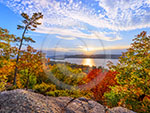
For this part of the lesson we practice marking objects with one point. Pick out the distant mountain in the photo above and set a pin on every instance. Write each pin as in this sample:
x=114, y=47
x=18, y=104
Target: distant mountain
x=96, y=56
x=60, y=55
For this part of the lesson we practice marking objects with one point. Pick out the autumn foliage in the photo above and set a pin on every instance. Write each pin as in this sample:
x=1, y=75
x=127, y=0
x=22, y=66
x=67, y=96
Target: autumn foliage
x=102, y=80
x=133, y=78
x=6, y=53
x=104, y=86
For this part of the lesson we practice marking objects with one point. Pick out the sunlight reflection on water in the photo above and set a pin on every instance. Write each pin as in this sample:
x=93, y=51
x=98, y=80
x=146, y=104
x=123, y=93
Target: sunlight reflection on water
x=88, y=61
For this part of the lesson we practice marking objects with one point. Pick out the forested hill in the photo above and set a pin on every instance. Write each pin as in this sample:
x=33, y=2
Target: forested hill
x=99, y=56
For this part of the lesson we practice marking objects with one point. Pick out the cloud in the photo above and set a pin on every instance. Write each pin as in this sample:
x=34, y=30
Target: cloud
x=92, y=48
x=75, y=33
x=71, y=19
x=65, y=38
x=63, y=49
x=88, y=50
x=127, y=14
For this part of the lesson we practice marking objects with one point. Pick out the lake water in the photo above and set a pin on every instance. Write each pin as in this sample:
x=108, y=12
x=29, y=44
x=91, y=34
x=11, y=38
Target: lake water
x=89, y=61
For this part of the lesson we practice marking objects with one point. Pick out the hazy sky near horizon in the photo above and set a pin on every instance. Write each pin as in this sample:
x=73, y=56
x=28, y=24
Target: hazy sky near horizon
x=80, y=25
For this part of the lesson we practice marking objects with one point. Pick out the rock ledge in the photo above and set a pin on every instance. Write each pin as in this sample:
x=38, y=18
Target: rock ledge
x=22, y=101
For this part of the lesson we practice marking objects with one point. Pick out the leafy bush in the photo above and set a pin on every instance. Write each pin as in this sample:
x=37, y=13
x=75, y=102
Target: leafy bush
x=133, y=78
x=6, y=64
x=26, y=79
x=70, y=93
x=43, y=88
x=3, y=80
x=57, y=93
x=67, y=75
x=101, y=84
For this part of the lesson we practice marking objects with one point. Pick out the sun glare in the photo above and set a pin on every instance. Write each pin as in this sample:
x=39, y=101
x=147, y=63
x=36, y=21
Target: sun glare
x=89, y=51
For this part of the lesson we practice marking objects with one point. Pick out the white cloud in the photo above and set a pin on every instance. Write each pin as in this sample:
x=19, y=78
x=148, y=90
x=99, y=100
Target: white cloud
x=74, y=33
x=66, y=19
x=127, y=14
x=63, y=49
x=90, y=49
x=66, y=38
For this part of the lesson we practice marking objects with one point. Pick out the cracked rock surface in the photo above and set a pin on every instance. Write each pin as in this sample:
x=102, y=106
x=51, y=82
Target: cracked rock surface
x=23, y=101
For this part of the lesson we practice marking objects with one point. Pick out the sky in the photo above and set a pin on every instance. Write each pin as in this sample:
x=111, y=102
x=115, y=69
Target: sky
x=80, y=26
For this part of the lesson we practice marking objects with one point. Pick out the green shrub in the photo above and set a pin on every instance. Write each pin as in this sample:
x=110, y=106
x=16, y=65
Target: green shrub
x=57, y=93
x=32, y=81
x=2, y=83
x=26, y=79
x=43, y=88
x=70, y=93
x=113, y=97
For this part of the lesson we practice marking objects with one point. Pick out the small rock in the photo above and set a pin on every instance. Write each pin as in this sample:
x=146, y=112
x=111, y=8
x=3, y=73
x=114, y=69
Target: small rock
x=120, y=110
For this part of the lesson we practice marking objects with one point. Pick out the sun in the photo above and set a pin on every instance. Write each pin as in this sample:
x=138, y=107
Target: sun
x=89, y=50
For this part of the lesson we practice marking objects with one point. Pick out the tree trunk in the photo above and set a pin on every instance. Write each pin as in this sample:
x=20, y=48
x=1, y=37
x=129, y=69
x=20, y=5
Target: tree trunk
x=16, y=68
x=21, y=42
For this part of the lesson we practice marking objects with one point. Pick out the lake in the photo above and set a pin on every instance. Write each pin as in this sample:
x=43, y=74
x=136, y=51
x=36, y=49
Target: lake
x=89, y=61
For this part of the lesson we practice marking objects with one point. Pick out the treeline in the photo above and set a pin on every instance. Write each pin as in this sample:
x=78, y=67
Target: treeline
x=126, y=84
x=96, y=56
